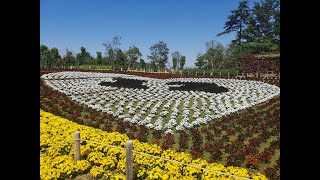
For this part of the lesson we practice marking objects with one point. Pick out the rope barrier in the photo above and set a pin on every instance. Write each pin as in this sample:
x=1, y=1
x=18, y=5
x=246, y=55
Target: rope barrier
x=102, y=144
x=138, y=152
x=169, y=160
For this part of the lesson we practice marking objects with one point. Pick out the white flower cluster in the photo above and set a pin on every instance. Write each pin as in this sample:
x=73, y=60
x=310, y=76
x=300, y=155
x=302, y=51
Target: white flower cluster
x=157, y=107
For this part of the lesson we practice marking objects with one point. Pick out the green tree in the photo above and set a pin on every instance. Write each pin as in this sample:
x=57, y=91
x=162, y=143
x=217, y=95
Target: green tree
x=133, y=55
x=111, y=48
x=142, y=64
x=263, y=31
x=214, y=54
x=176, y=55
x=174, y=63
x=99, y=58
x=59, y=62
x=88, y=59
x=44, y=56
x=69, y=59
x=159, y=55
x=232, y=60
x=276, y=27
x=120, y=59
x=237, y=21
x=53, y=57
x=200, y=61
x=80, y=56
x=182, y=61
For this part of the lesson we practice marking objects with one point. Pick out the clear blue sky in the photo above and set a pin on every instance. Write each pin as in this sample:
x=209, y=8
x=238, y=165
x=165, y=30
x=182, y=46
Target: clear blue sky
x=183, y=25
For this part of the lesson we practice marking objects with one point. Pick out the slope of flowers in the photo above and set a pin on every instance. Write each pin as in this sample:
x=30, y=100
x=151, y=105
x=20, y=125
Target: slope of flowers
x=249, y=138
x=157, y=106
x=56, y=156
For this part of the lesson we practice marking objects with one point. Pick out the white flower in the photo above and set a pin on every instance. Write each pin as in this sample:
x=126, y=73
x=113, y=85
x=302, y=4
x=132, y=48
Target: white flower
x=149, y=106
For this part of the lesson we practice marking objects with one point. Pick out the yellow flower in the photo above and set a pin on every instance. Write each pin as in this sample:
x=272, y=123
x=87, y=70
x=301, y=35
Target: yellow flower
x=102, y=161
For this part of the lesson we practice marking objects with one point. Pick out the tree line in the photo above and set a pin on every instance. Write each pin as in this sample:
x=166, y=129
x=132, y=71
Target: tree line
x=114, y=57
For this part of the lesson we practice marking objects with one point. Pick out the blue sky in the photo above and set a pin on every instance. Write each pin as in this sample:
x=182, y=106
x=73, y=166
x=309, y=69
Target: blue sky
x=183, y=25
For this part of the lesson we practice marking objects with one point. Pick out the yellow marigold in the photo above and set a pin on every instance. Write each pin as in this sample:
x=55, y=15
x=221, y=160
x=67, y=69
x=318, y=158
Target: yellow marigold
x=97, y=171
x=56, y=157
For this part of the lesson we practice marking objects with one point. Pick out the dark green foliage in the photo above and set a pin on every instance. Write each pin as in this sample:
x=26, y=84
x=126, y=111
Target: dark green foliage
x=237, y=21
x=142, y=64
x=257, y=29
x=133, y=55
x=99, y=58
x=159, y=55
x=69, y=59
x=182, y=61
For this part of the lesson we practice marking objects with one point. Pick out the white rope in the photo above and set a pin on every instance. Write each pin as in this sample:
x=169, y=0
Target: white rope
x=154, y=157
x=190, y=165
x=102, y=144
x=169, y=160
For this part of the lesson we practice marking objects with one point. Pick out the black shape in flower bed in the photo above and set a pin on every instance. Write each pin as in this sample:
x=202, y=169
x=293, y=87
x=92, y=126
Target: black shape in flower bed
x=185, y=86
x=125, y=83
x=198, y=86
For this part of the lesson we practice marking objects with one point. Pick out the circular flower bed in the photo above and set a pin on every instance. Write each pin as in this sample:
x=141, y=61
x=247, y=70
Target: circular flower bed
x=170, y=104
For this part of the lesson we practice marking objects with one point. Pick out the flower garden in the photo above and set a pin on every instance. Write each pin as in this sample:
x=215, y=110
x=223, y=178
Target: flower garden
x=226, y=121
x=166, y=105
x=56, y=158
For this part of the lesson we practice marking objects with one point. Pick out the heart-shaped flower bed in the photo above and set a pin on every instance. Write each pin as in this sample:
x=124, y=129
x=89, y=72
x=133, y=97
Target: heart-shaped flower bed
x=161, y=104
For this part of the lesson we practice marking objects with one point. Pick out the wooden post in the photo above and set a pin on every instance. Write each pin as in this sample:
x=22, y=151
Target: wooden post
x=188, y=72
x=129, y=167
x=76, y=146
x=220, y=73
x=228, y=75
x=204, y=73
x=196, y=72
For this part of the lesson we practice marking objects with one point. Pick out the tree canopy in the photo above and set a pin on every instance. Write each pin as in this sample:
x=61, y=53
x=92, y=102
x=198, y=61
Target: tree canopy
x=159, y=55
x=257, y=28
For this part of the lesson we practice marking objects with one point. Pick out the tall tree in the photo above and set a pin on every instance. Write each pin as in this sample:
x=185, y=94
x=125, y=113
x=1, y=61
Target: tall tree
x=214, y=54
x=54, y=57
x=182, y=61
x=44, y=56
x=237, y=21
x=80, y=56
x=111, y=48
x=159, y=54
x=263, y=31
x=176, y=55
x=99, y=58
x=142, y=64
x=174, y=63
x=133, y=55
x=200, y=61
x=69, y=59
x=119, y=61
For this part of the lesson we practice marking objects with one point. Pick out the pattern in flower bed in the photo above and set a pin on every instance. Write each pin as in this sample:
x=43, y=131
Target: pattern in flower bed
x=161, y=104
